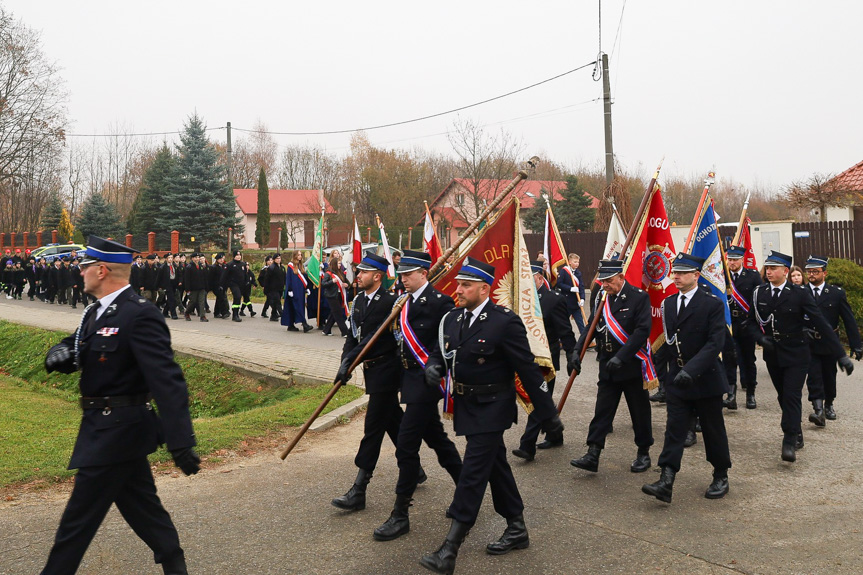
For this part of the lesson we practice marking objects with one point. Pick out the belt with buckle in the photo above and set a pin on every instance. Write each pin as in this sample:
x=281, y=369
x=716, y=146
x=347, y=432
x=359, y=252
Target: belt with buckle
x=410, y=363
x=374, y=361
x=465, y=389
x=736, y=313
x=115, y=401
x=796, y=335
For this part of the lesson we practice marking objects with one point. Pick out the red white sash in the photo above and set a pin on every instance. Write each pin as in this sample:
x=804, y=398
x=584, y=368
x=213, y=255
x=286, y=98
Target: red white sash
x=735, y=295
x=648, y=370
x=421, y=354
x=342, y=294
x=299, y=275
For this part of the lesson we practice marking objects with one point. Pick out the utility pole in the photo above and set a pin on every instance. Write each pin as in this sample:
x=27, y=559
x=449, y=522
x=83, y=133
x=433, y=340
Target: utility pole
x=230, y=152
x=606, y=99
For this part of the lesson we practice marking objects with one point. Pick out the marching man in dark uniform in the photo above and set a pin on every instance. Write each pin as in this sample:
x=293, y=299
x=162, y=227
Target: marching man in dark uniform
x=558, y=331
x=833, y=303
x=620, y=353
x=382, y=371
x=233, y=278
x=783, y=311
x=417, y=333
x=740, y=302
x=695, y=332
x=123, y=349
x=482, y=345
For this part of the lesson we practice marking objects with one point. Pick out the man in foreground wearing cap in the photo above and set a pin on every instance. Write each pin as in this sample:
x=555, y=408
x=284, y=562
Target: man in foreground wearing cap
x=833, y=303
x=123, y=349
x=783, y=311
x=416, y=334
x=558, y=331
x=622, y=333
x=694, y=324
x=740, y=302
x=483, y=345
x=381, y=371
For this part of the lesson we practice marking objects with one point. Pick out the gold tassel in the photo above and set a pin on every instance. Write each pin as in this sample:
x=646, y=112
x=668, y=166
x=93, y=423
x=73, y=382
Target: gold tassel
x=651, y=385
x=447, y=416
x=527, y=407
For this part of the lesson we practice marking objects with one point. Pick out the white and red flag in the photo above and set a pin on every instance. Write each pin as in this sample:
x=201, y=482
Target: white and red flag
x=431, y=243
x=555, y=255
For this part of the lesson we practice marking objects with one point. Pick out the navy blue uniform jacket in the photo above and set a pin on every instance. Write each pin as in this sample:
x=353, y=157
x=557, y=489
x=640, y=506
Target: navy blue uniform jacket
x=424, y=317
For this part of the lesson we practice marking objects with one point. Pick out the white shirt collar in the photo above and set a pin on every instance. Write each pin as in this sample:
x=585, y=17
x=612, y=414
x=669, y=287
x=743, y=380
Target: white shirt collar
x=415, y=295
x=370, y=297
x=688, y=295
x=478, y=310
x=782, y=287
x=107, y=300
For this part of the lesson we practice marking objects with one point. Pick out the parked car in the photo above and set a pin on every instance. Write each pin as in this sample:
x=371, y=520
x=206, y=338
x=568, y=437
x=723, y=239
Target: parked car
x=53, y=251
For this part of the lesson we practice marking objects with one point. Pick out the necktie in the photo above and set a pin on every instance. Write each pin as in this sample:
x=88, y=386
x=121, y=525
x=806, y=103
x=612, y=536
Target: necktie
x=817, y=292
x=361, y=304
x=90, y=325
x=682, y=303
x=465, y=323
x=775, y=294
x=736, y=276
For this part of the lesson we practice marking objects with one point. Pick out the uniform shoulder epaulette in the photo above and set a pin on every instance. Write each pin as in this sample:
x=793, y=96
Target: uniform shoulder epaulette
x=500, y=308
x=839, y=288
x=639, y=290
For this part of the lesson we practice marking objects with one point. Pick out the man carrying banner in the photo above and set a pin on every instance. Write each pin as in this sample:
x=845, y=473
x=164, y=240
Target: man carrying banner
x=833, y=303
x=481, y=346
x=622, y=334
x=416, y=333
x=783, y=311
x=744, y=281
x=694, y=324
x=558, y=331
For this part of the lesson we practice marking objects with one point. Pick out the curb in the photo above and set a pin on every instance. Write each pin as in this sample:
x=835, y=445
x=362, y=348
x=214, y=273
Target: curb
x=327, y=421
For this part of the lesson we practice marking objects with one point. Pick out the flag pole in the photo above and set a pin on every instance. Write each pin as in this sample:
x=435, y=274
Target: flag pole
x=636, y=223
x=522, y=175
x=711, y=177
x=742, y=221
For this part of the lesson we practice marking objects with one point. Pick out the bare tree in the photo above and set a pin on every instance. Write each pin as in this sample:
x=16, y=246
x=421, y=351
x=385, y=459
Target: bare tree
x=813, y=195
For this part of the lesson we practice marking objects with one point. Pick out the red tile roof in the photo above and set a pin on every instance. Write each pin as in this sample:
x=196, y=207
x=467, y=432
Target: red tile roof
x=851, y=180
x=283, y=202
x=527, y=191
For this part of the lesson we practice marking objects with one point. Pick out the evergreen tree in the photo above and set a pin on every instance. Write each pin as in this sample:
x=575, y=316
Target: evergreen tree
x=198, y=201
x=99, y=217
x=51, y=213
x=65, y=230
x=285, y=239
x=262, y=229
x=146, y=208
x=573, y=213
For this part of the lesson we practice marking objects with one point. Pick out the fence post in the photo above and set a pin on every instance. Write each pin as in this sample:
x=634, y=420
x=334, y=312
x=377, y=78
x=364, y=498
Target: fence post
x=12, y=240
x=26, y=240
x=151, y=242
x=53, y=236
x=279, y=244
x=175, y=242
x=2, y=240
x=410, y=237
x=39, y=239
x=128, y=240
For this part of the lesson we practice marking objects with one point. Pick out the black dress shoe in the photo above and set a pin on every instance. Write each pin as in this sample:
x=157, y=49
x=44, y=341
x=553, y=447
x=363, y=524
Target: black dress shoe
x=698, y=425
x=292, y=328
x=798, y=444
x=818, y=417
x=658, y=397
x=523, y=454
x=788, y=452
x=829, y=412
x=691, y=439
x=641, y=463
x=590, y=460
x=750, y=400
x=546, y=444
x=663, y=488
x=718, y=489
x=422, y=477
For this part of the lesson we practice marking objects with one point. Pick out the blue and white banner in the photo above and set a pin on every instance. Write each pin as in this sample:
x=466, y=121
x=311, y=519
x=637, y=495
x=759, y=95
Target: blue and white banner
x=705, y=244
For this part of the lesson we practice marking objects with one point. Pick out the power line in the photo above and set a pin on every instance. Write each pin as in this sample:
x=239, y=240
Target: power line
x=401, y=123
x=175, y=132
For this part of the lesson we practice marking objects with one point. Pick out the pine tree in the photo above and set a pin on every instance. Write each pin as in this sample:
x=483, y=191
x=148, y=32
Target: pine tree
x=100, y=218
x=573, y=213
x=51, y=213
x=262, y=229
x=199, y=201
x=65, y=229
x=147, y=206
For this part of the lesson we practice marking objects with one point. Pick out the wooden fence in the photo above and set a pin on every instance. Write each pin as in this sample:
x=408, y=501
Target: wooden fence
x=588, y=245
x=830, y=239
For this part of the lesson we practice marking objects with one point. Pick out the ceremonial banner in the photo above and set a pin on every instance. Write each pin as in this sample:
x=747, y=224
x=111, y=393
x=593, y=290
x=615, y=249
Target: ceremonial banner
x=313, y=266
x=501, y=244
x=614, y=240
x=707, y=244
x=431, y=243
x=555, y=255
x=357, y=244
x=746, y=241
x=384, y=250
x=649, y=263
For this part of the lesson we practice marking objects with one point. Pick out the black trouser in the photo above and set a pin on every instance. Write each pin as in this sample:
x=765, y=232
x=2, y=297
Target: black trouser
x=608, y=398
x=197, y=300
x=170, y=302
x=237, y=293
x=221, y=307
x=337, y=315
x=678, y=424
x=788, y=381
x=274, y=299
x=485, y=463
x=77, y=296
x=821, y=379
x=421, y=422
x=130, y=486
x=247, y=296
x=533, y=427
x=744, y=349
x=32, y=289
x=383, y=417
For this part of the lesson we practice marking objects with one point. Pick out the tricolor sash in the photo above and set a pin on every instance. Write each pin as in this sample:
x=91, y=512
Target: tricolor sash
x=421, y=354
x=648, y=371
x=299, y=275
x=342, y=294
x=735, y=295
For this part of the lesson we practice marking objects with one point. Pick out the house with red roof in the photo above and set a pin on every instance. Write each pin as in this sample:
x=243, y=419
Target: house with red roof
x=459, y=204
x=850, y=184
x=297, y=212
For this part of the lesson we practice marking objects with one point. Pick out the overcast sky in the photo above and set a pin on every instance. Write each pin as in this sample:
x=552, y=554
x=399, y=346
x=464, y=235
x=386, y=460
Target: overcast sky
x=767, y=92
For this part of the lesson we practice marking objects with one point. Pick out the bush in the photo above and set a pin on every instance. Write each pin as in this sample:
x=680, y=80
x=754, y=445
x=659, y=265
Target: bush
x=850, y=276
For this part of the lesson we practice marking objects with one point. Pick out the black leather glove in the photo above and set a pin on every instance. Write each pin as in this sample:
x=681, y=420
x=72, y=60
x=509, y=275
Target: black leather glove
x=613, y=364
x=858, y=354
x=767, y=342
x=187, y=460
x=433, y=374
x=846, y=365
x=573, y=363
x=57, y=357
x=683, y=379
x=342, y=375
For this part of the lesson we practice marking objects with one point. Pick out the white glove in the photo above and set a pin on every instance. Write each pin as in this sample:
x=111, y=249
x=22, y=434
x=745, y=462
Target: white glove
x=308, y=292
x=290, y=294
x=581, y=303
x=573, y=289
